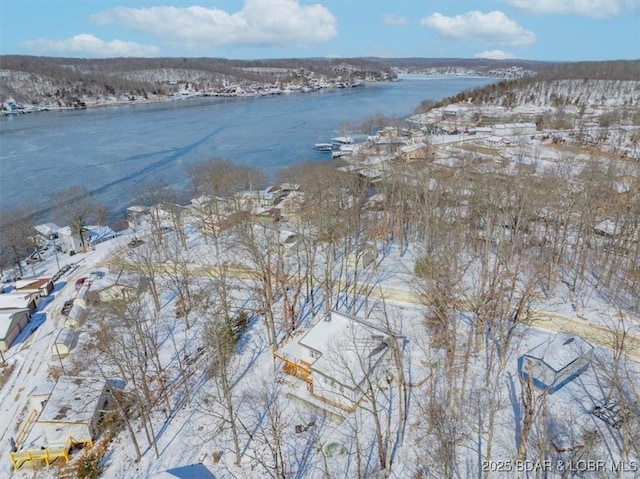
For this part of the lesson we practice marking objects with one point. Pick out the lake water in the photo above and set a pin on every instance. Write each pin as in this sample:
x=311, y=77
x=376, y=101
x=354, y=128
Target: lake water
x=113, y=150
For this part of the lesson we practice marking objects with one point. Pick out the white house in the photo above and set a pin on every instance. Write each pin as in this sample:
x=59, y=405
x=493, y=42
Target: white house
x=137, y=215
x=337, y=357
x=69, y=241
x=552, y=364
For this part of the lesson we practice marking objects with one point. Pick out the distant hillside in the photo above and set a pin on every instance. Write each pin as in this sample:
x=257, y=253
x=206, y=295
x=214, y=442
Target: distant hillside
x=71, y=81
x=478, y=64
x=606, y=92
x=584, y=84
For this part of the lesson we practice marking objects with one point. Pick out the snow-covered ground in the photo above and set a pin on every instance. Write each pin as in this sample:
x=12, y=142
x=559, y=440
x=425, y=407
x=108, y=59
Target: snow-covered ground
x=189, y=430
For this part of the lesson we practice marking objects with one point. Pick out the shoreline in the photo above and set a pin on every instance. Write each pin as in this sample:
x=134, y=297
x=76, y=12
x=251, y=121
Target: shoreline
x=253, y=94
x=144, y=101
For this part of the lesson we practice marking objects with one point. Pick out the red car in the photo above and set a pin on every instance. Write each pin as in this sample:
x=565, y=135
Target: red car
x=80, y=283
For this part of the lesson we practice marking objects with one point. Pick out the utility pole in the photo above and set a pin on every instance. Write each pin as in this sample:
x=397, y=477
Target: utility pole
x=55, y=251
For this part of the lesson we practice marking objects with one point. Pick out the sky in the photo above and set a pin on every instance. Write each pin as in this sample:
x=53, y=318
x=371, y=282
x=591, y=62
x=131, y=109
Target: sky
x=547, y=30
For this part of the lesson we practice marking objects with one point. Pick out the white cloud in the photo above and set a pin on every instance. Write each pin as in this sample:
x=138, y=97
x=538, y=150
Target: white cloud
x=273, y=22
x=394, y=20
x=587, y=8
x=493, y=28
x=90, y=46
x=495, y=55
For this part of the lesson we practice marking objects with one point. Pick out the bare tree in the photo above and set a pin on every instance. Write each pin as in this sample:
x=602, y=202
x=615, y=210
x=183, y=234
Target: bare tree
x=77, y=206
x=18, y=237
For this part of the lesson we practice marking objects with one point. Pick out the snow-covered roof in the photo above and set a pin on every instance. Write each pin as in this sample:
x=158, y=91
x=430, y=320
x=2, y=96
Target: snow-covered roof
x=98, y=234
x=138, y=209
x=47, y=229
x=36, y=283
x=561, y=351
x=607, y=226
x=15, y=300
x=340, y=347
x=73, y=400
x=497, y=139
x=66, y=231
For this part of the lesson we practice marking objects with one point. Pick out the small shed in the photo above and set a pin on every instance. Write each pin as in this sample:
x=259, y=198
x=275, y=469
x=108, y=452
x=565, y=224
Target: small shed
x=552, y=364
x=116, y=292
x=11, y=325
x=41, y=286
x=64, y=342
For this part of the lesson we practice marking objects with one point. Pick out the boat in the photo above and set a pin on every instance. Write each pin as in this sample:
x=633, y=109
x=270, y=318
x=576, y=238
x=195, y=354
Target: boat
x=324, y=146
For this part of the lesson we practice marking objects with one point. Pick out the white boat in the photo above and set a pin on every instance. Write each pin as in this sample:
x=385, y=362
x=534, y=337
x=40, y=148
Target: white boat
x=324, y=146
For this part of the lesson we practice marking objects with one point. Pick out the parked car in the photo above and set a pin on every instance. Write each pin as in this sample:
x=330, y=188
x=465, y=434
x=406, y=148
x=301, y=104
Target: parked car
x=134, y=243
x=33, y=259
x=66, y=308
x=80, y=283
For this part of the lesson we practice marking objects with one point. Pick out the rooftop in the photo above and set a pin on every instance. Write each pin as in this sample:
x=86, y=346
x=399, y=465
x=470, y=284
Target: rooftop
x=73, y=400
x=341, y=347
x=561, y=351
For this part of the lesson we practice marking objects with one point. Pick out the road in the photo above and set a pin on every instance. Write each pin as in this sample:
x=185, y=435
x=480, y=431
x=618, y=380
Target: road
x=31, y=356
x=594, y=333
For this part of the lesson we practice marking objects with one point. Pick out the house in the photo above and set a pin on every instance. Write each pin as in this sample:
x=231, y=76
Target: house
x=11, y=325
x=10, y=302
x=252, y=198
x=336, y=357
x=291, y=206
x=99, y=234
x=497, y=141
x=552, y=364
x=69, y=240
x=453, y=111
x=137, y=215
x=40, y=286
x=481, y=130
x=119, y=291
x=415, y=151
x=48, y=231
x=68, y=418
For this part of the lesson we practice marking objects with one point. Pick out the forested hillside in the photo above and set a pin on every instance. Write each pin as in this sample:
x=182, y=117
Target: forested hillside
x=70, y=81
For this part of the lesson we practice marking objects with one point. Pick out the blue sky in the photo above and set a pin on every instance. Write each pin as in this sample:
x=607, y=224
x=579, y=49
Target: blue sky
x=564, y=30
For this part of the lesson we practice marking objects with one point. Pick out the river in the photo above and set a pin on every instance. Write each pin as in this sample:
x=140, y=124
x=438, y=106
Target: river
x=114, y=150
